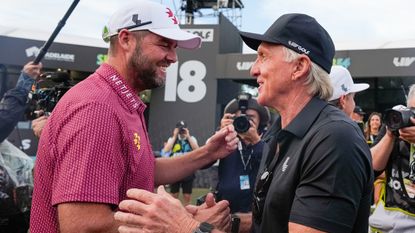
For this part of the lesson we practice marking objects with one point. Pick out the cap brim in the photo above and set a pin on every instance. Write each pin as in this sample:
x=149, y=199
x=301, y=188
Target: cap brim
x=184, y=39
x=357, y=87
x=253, y=40
x=360, y=112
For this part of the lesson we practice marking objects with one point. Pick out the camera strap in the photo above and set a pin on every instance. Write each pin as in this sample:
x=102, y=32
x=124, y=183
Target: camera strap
x=412, y=163
x=244, y=163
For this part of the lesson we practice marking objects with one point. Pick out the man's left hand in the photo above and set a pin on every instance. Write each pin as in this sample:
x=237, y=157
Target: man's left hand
x=153, y=212
x=408, y=133
x=215, y=213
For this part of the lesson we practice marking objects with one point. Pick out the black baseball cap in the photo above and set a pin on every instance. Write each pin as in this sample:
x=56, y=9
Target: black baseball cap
x=181, y=124
x=300, y=33
x=359, y=110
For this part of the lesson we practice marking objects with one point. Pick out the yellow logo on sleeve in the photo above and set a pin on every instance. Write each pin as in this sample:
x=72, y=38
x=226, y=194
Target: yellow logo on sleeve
x=137, y=141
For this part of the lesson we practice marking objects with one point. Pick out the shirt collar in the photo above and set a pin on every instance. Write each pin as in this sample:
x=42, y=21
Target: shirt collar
x=123, y=90
x=300, y=125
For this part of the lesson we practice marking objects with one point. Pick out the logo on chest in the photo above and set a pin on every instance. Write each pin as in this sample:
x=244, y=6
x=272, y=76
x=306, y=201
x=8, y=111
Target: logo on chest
x=285, y=165
x=137, y=141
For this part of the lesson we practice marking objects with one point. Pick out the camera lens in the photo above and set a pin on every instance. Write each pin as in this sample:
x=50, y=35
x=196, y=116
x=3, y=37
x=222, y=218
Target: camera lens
x=241, y=124
x=394, y=120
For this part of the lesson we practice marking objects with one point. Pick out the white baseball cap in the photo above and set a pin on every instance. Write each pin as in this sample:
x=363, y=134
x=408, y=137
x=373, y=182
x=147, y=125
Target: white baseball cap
x=343, y=83
x=151, y=16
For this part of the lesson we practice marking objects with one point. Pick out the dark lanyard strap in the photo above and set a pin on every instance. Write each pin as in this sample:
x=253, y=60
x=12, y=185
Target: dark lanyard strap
x=270, y=168
x=244, y=163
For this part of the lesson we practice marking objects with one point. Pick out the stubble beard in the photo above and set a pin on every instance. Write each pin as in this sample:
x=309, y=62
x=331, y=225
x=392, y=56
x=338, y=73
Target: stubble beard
x=145, y=71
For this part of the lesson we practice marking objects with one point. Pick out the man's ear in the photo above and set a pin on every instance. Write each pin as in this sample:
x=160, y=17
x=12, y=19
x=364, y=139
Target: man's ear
x=125, y=39
x=342, y=101
x=302, y=67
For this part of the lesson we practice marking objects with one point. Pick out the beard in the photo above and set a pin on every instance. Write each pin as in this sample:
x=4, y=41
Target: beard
x=145, y=71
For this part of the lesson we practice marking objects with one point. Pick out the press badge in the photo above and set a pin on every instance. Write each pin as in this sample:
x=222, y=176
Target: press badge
x=244, y=182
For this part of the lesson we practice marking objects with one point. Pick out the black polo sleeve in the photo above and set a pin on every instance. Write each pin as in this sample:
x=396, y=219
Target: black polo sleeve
x=335, y=173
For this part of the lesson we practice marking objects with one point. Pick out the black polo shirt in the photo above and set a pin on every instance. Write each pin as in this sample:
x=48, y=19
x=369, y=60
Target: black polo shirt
x=323, y=178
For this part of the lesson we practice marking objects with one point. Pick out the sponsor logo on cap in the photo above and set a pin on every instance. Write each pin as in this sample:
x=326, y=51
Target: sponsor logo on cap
x=171, y=15
x=298, y=47
x=344, y=88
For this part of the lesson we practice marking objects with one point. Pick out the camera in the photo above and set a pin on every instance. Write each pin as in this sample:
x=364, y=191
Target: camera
x=47, y=94
x=399, y=117
x=242, y=122
x=181, y=125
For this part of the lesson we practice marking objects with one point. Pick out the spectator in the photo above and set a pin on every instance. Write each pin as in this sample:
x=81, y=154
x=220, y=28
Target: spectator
x=180, y=143
x=238, y=171
x=374, y=123
x=95, y=146
x=358, y=114
x=164, y=153
x=393, y=153
x=316, y=163
x=13, y=104
x=12, y=108
x=344, y=89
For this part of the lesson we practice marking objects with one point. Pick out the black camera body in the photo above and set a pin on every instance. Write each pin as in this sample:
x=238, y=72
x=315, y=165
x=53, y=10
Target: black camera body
x=181, y=125
x=44, y=99
x=399, y=117
x=242, y=122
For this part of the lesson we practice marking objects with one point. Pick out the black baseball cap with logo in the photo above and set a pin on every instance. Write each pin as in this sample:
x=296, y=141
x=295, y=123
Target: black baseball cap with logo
x=300, y=33
x=359, y=110
x=181, y=124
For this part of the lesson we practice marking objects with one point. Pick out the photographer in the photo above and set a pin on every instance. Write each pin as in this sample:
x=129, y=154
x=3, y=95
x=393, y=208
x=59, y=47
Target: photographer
x=393, y=153
x=13, y=104
x=238, y=171
x=15, y=166
x=179, y=144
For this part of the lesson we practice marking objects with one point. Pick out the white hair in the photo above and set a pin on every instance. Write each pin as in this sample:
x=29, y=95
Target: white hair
x=411, y=94
x=318, y=80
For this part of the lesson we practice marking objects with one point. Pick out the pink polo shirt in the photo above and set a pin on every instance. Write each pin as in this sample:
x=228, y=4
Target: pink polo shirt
x=94, y=148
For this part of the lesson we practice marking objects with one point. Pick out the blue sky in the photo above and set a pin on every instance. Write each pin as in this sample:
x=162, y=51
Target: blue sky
x=353, y=24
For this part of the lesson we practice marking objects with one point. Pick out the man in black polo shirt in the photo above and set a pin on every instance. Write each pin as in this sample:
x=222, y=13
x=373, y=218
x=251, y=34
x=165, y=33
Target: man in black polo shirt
x=316, y=172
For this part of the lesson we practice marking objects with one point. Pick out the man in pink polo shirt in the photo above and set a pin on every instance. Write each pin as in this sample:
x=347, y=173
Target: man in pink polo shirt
x=95, y=145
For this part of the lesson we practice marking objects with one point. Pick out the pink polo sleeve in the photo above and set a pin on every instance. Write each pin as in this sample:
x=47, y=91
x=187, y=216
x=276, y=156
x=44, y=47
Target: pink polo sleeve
x=90, y=162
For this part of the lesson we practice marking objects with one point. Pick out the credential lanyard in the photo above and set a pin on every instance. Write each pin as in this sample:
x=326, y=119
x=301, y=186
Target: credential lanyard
x=240, y=148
